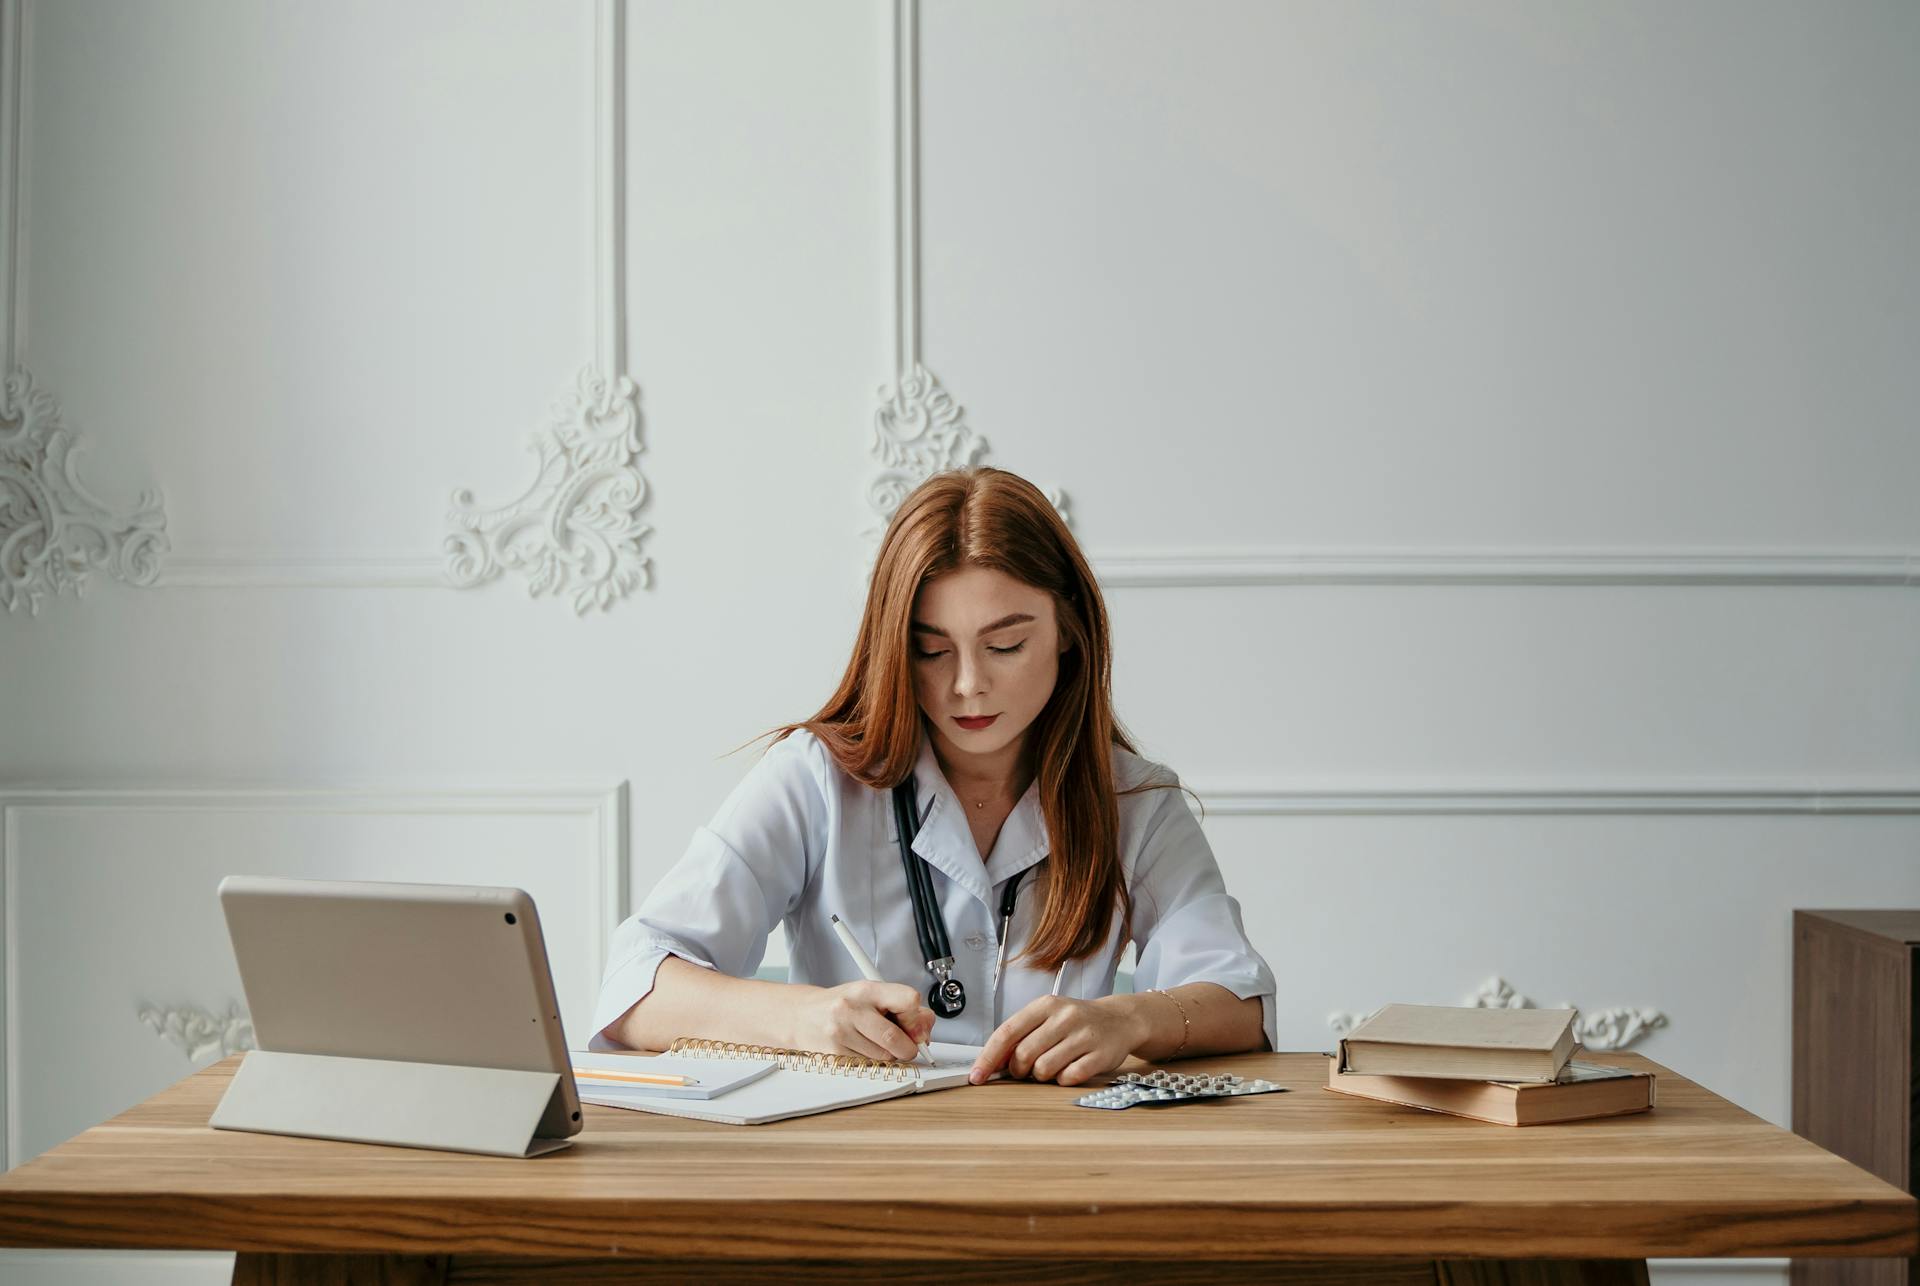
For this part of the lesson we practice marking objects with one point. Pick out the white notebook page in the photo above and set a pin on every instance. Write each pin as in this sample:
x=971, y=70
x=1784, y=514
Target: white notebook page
x=788, y=1092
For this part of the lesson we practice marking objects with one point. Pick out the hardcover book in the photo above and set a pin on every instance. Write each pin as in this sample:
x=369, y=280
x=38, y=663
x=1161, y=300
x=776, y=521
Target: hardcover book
x=1583, y=1091
x=1461, y=1042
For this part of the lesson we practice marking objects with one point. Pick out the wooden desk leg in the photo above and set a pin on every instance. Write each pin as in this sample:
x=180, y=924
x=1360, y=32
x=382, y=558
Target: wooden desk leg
x=339, y=1270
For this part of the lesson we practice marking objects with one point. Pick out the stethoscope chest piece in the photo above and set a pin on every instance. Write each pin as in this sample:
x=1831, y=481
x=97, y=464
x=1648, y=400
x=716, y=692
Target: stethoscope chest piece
x=947, y=997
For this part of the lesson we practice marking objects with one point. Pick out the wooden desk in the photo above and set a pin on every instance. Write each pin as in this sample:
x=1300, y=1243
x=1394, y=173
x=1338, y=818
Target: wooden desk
x=1002, y=1182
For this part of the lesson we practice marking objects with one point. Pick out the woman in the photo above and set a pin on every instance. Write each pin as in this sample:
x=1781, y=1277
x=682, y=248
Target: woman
x=976, y=710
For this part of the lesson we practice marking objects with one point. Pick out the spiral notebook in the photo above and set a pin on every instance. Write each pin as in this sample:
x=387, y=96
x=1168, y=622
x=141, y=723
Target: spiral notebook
x=801, y=1084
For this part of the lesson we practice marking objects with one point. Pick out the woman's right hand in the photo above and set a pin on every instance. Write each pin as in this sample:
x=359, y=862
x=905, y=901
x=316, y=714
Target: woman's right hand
x=885, y=1020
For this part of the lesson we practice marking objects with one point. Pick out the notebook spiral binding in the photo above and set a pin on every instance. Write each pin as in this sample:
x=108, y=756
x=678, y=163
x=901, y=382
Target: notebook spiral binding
x=798, y=1060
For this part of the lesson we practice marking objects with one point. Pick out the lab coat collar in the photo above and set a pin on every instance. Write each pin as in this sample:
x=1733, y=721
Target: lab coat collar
x=1023, y=837
x=946, y=840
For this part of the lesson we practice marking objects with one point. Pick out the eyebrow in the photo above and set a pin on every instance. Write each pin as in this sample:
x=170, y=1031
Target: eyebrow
x=1018, y=618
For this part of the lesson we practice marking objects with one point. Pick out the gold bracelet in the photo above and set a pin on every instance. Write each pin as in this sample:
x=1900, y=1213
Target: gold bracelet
x=1186, y=1028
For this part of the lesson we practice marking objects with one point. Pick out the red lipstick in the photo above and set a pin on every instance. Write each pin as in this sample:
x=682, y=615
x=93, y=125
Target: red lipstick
x=974, y=725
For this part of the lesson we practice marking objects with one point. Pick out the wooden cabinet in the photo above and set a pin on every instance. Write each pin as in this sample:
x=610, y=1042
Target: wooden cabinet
x=1856, y=1060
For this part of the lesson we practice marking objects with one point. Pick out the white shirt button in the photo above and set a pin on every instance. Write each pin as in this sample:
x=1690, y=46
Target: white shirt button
x=977, y=942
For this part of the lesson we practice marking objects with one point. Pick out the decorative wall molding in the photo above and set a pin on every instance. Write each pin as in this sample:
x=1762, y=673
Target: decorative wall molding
x=1614, y=1028
x=919, y=430
x=1222, y=570
x=53, y=531
x=13, y=101
x=576, y=529
x=216, y=569
x=586, y=493
x=1369, y=800
x=199, y=1033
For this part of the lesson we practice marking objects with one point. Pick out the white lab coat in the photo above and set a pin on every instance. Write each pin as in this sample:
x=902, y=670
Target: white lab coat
x=799, y=840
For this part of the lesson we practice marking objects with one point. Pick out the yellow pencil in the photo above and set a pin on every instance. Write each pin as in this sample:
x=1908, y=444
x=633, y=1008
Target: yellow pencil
x=637, y=1078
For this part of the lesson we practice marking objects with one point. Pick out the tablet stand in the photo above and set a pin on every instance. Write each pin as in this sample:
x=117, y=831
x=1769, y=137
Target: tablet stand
x=370, y=1100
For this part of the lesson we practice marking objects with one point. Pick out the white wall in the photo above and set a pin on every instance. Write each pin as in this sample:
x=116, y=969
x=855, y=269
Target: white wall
x=1490, y=421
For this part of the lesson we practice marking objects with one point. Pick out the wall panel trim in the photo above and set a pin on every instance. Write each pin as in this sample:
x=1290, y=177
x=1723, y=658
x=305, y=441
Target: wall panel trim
x=1255, y=568
x=1217, y=570
x=1559, y=799
x=13, y=66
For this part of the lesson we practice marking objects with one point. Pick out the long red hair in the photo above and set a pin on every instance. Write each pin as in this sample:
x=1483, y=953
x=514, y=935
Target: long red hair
x=871, y=726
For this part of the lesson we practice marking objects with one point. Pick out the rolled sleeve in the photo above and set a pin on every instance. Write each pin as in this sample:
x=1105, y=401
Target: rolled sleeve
x=741, y=875
x=628, y=982
x=1187, y=925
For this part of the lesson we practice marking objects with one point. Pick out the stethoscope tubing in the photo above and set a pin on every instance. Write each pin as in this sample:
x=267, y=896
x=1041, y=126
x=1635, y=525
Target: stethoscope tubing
x=929, y=926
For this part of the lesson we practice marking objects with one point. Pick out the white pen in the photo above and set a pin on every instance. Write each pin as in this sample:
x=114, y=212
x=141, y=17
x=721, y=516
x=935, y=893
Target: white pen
x=864, y=962
x=1057, y=977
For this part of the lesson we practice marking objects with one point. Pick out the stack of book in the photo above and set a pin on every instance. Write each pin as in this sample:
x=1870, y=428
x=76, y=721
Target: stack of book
x=1508, y=1066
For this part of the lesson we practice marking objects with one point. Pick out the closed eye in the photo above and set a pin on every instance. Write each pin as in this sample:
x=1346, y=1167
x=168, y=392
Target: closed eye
x=1002, y=651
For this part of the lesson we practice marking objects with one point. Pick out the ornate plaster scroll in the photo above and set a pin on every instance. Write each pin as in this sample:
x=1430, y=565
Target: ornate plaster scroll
x=918, y=431
x=54, y=532
x=576, y=530
x=199, y=1033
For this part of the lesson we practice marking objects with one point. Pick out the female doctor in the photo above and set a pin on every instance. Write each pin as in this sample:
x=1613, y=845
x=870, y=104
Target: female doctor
x=975, y=719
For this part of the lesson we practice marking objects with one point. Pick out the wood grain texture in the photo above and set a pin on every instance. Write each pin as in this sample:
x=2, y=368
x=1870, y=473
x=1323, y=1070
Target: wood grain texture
x=324, y=1270
x=340, y=1270
x=1587, y=1272
x=1856, y=1060
x=1888, y=923
x=1002, y=1171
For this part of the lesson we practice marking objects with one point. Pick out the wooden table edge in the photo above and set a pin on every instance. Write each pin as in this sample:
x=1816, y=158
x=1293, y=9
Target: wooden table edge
x=868, y=1230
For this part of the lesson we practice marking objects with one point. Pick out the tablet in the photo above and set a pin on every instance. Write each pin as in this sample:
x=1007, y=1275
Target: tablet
x=417, y=973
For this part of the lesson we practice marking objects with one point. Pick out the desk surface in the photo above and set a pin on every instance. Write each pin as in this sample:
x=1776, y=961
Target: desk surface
x=1001, y=1170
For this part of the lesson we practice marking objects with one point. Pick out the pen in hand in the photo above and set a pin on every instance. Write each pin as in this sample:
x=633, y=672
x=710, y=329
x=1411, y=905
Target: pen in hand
x=868, y=969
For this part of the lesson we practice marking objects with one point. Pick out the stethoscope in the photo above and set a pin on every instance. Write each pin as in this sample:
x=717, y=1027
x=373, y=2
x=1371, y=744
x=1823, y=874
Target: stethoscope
x=946, y=996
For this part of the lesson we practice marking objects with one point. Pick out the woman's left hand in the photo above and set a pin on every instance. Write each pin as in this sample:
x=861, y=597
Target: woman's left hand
x=1057, y=1038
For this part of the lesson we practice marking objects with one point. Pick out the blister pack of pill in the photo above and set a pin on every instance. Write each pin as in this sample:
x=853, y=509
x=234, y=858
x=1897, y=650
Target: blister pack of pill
x=1130, y=1089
